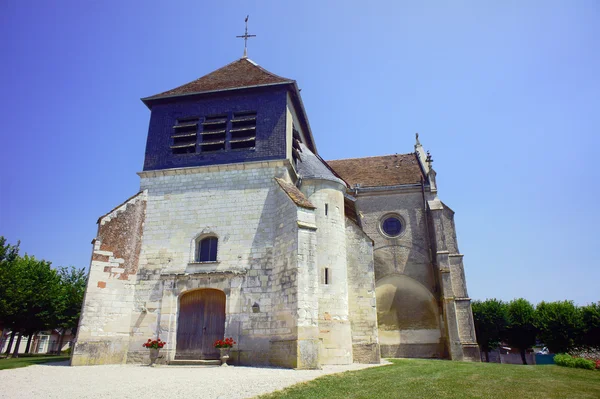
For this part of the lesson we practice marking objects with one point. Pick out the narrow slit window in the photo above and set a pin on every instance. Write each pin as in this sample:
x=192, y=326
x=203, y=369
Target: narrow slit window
x=326, y=209
x=207, y=250
x=327, y=276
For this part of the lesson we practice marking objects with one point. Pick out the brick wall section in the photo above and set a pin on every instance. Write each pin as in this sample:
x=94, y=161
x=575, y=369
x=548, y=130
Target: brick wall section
x=362, y=302
x=103, y=333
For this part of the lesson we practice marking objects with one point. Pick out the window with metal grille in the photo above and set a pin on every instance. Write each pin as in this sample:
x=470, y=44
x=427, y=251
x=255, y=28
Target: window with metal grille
x=207, y=250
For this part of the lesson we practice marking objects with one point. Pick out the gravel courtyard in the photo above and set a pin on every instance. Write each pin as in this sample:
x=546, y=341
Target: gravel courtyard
x=58, y=380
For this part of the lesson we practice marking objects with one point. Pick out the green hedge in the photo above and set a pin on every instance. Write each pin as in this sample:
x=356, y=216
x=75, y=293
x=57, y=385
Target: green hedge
x=574, y=362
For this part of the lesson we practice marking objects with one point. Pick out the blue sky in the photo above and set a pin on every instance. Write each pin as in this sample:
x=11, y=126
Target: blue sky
x=505, y=95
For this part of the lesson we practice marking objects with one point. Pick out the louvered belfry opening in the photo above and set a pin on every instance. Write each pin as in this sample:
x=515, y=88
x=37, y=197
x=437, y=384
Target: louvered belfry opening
x=243, y=130
x=296, y=148
x=214, y=133
x=200, y=323
x=184, y=136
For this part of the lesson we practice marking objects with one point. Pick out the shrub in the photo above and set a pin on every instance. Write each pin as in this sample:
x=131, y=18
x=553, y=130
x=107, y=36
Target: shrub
x=565, y=360
x=592, y=354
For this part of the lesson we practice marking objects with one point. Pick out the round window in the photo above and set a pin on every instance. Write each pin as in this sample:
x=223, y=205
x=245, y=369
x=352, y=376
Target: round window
x=391, y=226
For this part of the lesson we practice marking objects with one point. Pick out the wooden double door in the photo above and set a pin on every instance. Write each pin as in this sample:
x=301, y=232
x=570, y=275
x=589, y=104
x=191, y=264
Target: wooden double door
x=201, y=322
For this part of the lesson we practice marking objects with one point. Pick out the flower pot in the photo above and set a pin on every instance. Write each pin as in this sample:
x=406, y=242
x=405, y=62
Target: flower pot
x=224, y=356
x=153, y=356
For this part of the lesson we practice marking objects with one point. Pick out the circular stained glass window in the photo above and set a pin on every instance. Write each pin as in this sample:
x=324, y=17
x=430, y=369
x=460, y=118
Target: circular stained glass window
x=392, y=226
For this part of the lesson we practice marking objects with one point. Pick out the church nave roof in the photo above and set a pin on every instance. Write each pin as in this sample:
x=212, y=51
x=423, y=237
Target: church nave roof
x=387, y=170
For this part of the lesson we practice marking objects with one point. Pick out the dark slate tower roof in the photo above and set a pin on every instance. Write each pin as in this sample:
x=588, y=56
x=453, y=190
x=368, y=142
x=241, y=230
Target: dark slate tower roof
x=387, y=170
x=311, y=166
x=243, y=73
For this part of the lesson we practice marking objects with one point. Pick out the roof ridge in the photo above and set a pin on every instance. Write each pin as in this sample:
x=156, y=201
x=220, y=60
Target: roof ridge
x=372, y=156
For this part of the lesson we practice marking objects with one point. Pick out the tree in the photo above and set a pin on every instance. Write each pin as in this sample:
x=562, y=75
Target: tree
x=591, y=325
x=560, y=325
x=521, y=331
x=72, y=290
x=39, y=299
x=35, y=297
x=490, y=320
x=10, y=294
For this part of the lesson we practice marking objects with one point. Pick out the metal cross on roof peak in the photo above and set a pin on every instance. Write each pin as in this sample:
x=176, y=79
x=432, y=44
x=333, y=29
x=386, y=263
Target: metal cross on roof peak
x=246, y=36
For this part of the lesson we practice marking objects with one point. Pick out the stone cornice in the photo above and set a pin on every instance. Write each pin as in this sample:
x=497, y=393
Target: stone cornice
x=218, y=168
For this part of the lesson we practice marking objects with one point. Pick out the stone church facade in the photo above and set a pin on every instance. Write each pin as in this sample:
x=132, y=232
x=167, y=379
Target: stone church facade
x=240, y=229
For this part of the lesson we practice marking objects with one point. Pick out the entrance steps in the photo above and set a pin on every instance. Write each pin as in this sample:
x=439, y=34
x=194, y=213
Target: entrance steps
x=189, y=362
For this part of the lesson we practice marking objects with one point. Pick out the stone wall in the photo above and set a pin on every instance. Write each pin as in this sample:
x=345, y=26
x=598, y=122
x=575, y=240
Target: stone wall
x=264, y=258
x=458, y=316
x=233, y=202
x=334, y=324
x=362, y=302
x=407, y=287
x=103, y=333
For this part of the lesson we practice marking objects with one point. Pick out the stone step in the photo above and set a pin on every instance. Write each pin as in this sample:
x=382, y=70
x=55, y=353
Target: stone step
x=185, y=362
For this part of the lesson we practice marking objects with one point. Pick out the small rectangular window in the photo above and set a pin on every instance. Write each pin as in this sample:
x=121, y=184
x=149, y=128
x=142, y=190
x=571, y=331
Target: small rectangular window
x=327, y=276
x=326, y=209
x=207, y=250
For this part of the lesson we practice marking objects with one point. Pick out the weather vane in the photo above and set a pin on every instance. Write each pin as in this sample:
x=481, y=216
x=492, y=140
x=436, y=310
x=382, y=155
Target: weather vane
x=246, y=36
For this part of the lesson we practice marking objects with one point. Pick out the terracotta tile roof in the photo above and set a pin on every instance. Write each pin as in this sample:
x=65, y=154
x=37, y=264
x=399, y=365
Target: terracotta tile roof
x=238, y=74
x=295, y=194
x=387, y=170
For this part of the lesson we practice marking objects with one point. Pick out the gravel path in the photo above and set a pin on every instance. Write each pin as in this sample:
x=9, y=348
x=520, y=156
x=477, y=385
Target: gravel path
x=58, y=380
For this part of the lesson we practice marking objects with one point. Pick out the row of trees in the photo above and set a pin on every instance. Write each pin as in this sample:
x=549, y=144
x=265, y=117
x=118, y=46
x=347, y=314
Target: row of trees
x=36, y=297
x=561, y=326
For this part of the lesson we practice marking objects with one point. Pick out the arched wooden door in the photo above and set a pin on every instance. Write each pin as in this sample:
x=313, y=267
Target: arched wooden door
x=201, y=322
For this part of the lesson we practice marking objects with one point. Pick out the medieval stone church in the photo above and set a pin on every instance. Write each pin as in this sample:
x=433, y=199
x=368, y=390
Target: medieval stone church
x=240, y=229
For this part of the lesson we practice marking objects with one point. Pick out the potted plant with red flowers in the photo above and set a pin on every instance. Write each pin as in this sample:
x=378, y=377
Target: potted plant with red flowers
x=224, y=345
x=154, y=346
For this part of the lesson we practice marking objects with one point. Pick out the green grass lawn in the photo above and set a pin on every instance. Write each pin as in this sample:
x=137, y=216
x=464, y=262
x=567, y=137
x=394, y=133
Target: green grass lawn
x=422, y=379
x=29, y=361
